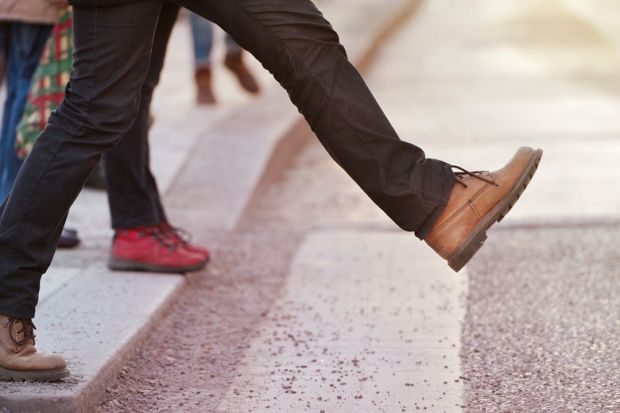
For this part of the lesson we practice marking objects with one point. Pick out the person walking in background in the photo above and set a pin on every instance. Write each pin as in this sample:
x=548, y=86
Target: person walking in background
x=202, y=36
x=27, y=25
x=451, y=211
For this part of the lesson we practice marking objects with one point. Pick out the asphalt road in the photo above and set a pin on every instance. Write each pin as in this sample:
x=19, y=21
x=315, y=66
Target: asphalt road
x=542, y=328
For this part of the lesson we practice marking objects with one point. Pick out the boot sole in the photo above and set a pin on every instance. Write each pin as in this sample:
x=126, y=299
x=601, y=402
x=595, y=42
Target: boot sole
x=42, y=376
x=478, y=235
x=118, y=264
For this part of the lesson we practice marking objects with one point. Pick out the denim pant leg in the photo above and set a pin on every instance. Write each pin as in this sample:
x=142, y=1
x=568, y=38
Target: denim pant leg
x=4, y=46
x=232, y=48
x=132, y=190
x=298, y=46
x=100, y=105
x=202, y=37
x=24, y=52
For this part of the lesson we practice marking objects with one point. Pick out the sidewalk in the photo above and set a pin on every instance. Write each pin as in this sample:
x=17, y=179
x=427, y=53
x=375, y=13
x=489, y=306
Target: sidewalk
x=209, y=163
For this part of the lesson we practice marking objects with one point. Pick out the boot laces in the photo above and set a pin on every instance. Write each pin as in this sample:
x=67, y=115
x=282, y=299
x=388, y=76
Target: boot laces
x=161, y=237
x=27, y=330
x=178, y=235
x=475, y=174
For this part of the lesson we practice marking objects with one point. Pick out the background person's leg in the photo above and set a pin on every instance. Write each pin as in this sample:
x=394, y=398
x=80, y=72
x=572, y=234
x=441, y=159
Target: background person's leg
x=299, y=47
x=4, y=46
x=235, y=63
x=132, y=190
x=232, y=47
x=143, y=240
x=24, y=52
x=100, y=105
x=202, y=37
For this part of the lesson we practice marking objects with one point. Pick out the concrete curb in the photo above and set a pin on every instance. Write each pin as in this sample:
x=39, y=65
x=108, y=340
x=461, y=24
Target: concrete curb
x=116, y=327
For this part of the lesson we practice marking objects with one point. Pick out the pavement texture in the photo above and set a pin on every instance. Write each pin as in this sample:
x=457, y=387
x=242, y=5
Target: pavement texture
x=358, y=326
x=543, y=321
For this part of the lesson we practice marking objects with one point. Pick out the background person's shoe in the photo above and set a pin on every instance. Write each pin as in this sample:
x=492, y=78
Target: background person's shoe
x=149, y=249
x=183, y=238
x=68, y=239
x=234, y=62
x=478, y=200
x=204, y=90
x=19, y=359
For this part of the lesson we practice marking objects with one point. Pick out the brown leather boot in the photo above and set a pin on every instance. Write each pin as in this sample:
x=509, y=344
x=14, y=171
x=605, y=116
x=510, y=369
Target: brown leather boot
x=19, y=359
x=204, y=92
x=234, y=62
x=478, y=200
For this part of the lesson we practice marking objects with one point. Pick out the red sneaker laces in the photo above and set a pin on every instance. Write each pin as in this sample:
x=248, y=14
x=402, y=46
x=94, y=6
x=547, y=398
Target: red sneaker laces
x=160, y=236
x=178, y=235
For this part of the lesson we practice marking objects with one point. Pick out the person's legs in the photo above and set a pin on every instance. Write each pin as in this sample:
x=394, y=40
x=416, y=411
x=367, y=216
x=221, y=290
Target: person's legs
x=202, y=37
x=141, y=241
x=132, y=191
x=232, y=47
x=24, y=51
x=299, y=47
x=100, y=105
x=4, y=46
x=293, y=41
x=235, y=63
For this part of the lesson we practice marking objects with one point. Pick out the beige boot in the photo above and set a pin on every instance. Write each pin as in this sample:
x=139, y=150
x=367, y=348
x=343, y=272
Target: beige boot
x=19, y=359
x=478, y=200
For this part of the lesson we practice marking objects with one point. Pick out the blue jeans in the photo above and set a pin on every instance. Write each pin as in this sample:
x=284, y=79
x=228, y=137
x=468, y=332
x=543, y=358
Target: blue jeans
x=26, y=42
x=202, y=34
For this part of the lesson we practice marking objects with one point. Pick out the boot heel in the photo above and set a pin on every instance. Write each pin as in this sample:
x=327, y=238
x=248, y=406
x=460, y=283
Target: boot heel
x=462, y=257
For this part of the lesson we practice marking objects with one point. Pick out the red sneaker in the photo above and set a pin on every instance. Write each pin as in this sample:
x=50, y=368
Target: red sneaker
x=149, y=249
x=180, y=237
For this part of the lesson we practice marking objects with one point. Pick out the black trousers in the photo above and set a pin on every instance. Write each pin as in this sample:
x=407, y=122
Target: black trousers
x=133, y=194
x=112, y=57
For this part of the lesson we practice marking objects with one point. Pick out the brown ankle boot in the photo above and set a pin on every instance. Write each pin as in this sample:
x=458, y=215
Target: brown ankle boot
x=477, y=201
x=234, y=63
x=204, y=92
x=19, y=359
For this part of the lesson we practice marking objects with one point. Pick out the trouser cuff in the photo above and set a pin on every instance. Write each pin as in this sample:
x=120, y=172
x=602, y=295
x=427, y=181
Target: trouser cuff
x=24, y=312
x=428, y=223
